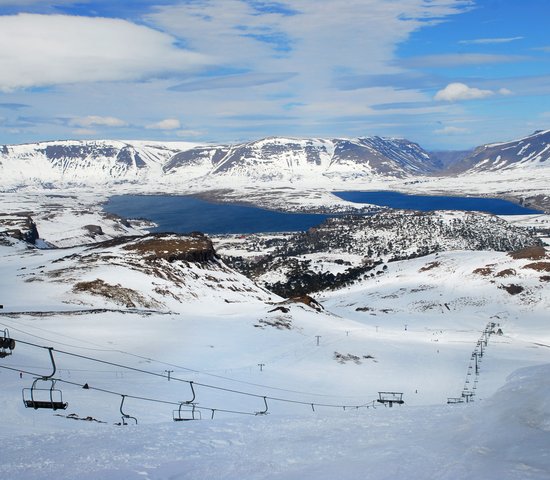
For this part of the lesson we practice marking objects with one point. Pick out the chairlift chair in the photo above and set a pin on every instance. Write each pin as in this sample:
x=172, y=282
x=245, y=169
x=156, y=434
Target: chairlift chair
x=7, y=344
x=265, y=410
x=468, y=396
x=125, y=415
x=389, y=398
x=50, y=398
x=181, y=415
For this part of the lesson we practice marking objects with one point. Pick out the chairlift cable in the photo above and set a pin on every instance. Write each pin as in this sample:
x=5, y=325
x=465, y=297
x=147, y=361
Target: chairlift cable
x=135, y=397
x=163, y=363
x=214, y=387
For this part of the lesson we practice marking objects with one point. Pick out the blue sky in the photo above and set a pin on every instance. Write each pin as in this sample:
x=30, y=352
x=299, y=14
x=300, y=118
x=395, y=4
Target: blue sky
x=448, y=74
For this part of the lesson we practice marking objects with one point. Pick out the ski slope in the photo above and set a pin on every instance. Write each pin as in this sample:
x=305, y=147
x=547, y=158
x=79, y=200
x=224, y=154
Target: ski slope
x=406, y=340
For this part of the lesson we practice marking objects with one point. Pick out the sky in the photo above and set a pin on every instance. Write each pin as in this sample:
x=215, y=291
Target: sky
x=447, y=74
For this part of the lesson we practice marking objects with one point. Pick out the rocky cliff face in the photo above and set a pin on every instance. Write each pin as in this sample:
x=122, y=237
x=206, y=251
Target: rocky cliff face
x=20, y=226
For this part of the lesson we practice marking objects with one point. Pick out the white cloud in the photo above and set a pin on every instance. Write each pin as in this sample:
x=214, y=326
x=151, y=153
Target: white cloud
x=167, y=124
x=92, y=120
x=314, y=40
x=485, y=41
x=42, y=50
x=457, y=91
x=293, y=57
x=450, y=130
x=280, y=59
x=460, y=91
x=234, y=81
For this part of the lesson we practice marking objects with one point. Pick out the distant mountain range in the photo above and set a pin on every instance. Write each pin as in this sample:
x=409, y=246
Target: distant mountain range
x=96, y=162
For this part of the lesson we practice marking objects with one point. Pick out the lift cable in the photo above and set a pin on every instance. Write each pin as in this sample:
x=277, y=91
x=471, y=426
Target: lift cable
x=214, y=387
x=135, y=397
x=172, y=365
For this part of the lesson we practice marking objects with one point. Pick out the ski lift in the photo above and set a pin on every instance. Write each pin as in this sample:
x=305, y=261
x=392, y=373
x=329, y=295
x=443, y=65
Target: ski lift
x=7, y=344
x=389, y=398
x=180, y=415
x=46, y=397
x=453, y=400
x=125, y=415
x=468, y=396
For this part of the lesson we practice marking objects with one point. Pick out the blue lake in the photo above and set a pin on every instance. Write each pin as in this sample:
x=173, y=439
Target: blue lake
x=428, y=203
x=184, y=214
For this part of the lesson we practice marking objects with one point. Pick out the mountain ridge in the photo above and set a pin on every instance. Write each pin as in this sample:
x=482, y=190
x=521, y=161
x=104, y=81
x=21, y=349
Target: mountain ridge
x=93, y=162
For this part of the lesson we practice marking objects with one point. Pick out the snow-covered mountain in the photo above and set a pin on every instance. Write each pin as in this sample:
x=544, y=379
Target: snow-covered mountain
x=531, y=152
x=89, y=162
x=105, y=161
x=283, y=158
x=289, y=160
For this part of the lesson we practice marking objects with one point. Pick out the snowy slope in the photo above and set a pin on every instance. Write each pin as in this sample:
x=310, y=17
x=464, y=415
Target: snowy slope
x=532, y=152
x=91, y=162
x=505, y=438
x=146, y=163
x=154, y=272
x=278, y=158
x=64, y=220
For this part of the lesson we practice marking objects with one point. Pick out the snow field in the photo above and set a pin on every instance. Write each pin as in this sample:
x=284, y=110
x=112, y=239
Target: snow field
x=505, y=437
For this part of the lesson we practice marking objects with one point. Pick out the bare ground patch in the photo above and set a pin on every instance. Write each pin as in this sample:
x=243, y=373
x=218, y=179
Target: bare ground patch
x=343, y=358
x=512, y=289
x=530, y=253
x=509, y=272
x=430, y=266
x=194, y=248
x=116, y=293
x=281, y=323
x=539, y=266
x=483, y=271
